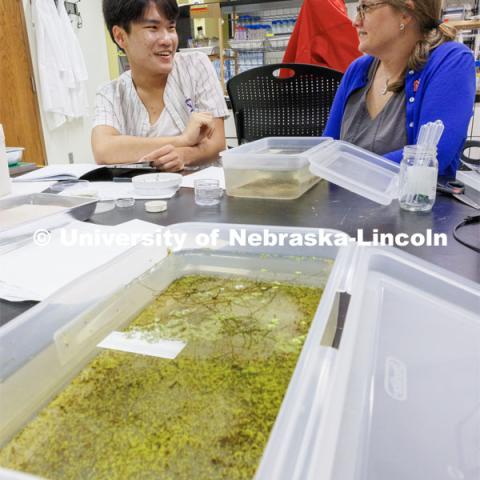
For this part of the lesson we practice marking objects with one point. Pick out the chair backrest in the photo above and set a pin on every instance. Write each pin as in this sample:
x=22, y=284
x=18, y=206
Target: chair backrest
x=265, y=105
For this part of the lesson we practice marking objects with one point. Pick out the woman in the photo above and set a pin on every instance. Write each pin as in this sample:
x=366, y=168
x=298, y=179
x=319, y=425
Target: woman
x=413, y=73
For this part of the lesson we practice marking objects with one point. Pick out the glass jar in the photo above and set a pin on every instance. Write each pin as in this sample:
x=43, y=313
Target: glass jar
x=418, y=178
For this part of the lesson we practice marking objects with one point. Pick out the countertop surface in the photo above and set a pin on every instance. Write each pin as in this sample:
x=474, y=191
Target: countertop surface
x=324, y=206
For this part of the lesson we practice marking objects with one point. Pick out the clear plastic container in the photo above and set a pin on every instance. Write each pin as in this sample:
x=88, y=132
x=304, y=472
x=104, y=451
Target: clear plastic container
x=45, y=347
x=274, y=167
x=207, y=191
x=399, y=398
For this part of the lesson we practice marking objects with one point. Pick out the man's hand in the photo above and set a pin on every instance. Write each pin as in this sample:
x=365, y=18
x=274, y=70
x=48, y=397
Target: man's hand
x=200, y=126
x=166, y=159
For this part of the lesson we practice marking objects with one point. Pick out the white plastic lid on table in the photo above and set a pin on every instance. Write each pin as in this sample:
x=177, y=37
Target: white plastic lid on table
x=358, y=170
x=273, y=153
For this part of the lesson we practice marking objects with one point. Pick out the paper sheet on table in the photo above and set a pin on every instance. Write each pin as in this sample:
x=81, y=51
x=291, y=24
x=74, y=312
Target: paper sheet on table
x=27, y=188
x=14, y=216
x=207, y=173
x=58, y=172
x=138, y=342
x=111, y=191
x=33, y=272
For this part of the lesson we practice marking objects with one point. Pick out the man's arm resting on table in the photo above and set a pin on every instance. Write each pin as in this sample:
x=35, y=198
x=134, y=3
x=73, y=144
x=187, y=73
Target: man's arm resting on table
x=109, y=146
x=208, y=149
x=175, y=159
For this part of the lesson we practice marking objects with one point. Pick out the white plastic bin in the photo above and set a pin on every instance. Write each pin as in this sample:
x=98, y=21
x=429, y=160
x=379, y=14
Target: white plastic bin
x=400, y=397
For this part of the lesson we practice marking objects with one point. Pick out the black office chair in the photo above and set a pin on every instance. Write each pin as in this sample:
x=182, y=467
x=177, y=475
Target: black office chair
x=268, y=105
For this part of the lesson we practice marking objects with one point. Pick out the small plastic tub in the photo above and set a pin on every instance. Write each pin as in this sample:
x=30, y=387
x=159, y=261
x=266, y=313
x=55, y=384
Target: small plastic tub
x=276, y=167
x=161, y=184
x=207, y=192
x=14, y=155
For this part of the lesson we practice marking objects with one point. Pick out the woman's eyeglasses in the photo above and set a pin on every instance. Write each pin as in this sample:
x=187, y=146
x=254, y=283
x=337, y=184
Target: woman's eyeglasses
x=364, y=8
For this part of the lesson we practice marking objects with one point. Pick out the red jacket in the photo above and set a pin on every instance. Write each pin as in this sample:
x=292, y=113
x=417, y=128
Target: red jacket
x=323, y=35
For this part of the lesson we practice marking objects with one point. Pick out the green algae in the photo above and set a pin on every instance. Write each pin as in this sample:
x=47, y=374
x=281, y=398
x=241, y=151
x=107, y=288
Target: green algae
x=206, y=414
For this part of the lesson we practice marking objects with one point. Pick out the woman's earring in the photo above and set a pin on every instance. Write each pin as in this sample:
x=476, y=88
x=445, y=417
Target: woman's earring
x=402, y=27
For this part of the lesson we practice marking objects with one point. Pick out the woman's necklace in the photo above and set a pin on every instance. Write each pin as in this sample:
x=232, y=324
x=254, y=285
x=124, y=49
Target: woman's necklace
x=385, y=88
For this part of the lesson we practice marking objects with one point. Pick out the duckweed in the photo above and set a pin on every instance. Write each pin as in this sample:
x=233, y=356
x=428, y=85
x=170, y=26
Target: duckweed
x=205, y=415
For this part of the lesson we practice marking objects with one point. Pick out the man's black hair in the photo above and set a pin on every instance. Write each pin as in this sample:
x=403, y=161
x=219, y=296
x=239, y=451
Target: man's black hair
x=124, y=12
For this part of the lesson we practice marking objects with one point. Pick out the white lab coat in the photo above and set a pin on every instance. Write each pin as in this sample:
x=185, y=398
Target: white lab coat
x=61, y=68
x=77, y=67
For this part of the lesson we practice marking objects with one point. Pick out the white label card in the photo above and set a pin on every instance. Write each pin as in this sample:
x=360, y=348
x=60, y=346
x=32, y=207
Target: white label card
x=138, y=342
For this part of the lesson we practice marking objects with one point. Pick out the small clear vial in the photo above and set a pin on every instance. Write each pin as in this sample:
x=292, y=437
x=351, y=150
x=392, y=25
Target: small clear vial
x=418, y=178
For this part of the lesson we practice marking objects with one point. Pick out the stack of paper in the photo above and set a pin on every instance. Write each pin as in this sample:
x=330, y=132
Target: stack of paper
x=72, y=171
x=34, y=272
x=27, y=188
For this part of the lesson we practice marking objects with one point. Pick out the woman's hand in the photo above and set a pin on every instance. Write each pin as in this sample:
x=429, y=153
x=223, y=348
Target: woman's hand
x=200, y=126
x=166, y=159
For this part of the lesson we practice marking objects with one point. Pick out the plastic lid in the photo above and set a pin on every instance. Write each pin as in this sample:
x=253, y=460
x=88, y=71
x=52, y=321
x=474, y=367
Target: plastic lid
x=358, y=170
x=273, y=153
x=164, y=180
x=155, y=206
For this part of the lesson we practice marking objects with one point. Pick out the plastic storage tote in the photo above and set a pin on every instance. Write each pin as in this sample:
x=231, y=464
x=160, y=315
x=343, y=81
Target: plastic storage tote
x=274, y=167
x=396, y=398
x=286, y=167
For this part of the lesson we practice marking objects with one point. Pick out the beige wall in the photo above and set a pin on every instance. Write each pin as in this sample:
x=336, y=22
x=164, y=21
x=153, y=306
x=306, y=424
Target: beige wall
x=74, y=137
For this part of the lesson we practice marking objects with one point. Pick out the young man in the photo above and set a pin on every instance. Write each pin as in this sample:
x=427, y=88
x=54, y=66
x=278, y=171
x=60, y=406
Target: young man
x=169, y=108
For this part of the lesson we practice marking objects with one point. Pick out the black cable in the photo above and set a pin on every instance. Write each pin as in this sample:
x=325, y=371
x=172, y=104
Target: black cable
x=467, y=221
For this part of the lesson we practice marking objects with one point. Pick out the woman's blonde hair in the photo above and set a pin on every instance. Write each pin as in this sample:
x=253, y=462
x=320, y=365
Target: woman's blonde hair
x=427, y=14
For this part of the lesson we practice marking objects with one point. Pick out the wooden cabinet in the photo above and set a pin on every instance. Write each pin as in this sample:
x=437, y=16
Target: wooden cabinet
x=19, y=110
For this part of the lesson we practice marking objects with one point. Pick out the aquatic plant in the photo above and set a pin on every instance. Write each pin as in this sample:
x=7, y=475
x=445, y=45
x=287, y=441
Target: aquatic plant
x=206, y=414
